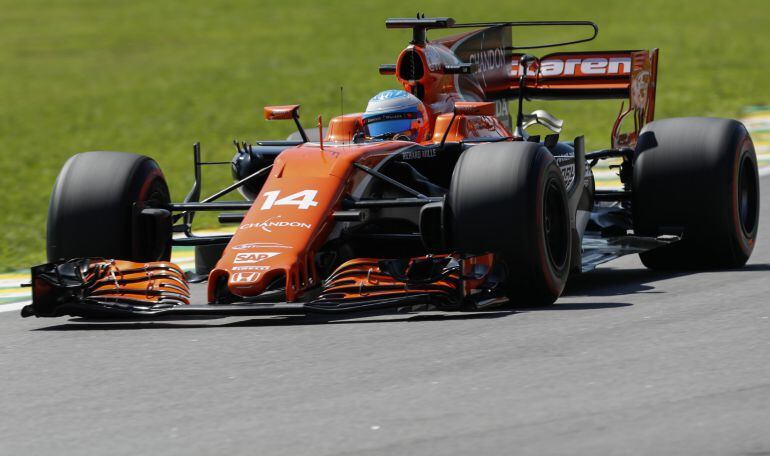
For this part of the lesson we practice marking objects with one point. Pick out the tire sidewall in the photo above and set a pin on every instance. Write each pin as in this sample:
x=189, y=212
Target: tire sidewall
x=148, y=189
x=744, y=240
x=555, y=275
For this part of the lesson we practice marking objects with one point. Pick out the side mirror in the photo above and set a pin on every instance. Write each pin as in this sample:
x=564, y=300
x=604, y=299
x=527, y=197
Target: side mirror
x=475, y=108
x=285, y=112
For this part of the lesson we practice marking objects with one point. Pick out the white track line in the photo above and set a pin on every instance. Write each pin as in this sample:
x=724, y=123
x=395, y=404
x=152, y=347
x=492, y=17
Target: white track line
x=14, y=306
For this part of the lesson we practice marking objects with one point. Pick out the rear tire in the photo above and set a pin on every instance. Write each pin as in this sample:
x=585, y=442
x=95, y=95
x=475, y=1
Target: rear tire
x=94, y=209
x=509, y=198
x=696, y=177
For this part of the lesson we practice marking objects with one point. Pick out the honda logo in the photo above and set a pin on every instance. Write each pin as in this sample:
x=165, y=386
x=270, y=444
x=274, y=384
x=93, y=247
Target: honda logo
x=241, y=277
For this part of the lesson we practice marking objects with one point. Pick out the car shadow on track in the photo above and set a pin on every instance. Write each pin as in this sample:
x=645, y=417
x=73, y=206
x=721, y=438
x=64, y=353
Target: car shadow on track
x=574, y=306
x=78, y=324
x=221, y=322
x=619, y=282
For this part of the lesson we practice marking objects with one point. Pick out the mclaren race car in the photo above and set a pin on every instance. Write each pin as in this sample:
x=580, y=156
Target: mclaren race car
x=434, y=196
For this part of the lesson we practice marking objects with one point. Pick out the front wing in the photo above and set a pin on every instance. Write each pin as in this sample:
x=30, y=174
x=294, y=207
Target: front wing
x=99, y=288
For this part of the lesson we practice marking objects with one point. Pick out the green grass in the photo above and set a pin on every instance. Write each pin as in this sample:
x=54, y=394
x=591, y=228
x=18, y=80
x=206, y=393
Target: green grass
x=154, y=76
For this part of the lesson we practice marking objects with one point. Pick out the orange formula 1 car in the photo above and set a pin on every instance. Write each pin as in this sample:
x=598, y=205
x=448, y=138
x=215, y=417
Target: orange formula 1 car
x=432, y=196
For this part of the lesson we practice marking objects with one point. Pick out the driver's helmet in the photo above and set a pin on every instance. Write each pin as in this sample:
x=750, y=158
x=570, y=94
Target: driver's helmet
x=396, y=114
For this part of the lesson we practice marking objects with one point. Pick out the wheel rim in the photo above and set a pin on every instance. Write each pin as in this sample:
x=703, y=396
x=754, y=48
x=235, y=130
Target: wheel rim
x=747, y=196
x=555, y=225
x=148, y=246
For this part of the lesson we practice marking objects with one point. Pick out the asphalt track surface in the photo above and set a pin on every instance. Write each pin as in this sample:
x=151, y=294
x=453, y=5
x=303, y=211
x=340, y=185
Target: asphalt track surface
x=629, y=361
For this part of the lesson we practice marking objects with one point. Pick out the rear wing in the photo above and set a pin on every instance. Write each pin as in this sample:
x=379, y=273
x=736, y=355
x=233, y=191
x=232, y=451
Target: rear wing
x=556, y=76
x=490, y=59
x=576, y=75
x=598, y=75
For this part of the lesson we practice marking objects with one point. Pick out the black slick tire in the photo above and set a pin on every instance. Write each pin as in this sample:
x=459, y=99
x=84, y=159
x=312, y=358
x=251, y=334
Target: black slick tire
x=95, y=204
x=509, y=198
x=696, y=177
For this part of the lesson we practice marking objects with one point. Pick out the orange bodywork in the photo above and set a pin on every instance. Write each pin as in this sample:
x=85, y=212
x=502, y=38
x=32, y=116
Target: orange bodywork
x=468, y=127
x=344, y=128
x=281, y=112
x=292, y=217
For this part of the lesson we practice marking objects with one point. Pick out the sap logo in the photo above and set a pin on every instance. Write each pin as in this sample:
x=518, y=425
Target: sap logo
x=241, y=277
x=256, y=257
x=270, y=223
x=579, y=67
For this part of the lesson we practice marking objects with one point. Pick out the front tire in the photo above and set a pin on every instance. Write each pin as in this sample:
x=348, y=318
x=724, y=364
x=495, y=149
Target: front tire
x=95, y=204
x=509, y=198
x=696, y=177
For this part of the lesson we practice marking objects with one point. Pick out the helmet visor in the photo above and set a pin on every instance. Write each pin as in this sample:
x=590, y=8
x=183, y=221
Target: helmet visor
x=385, y=127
